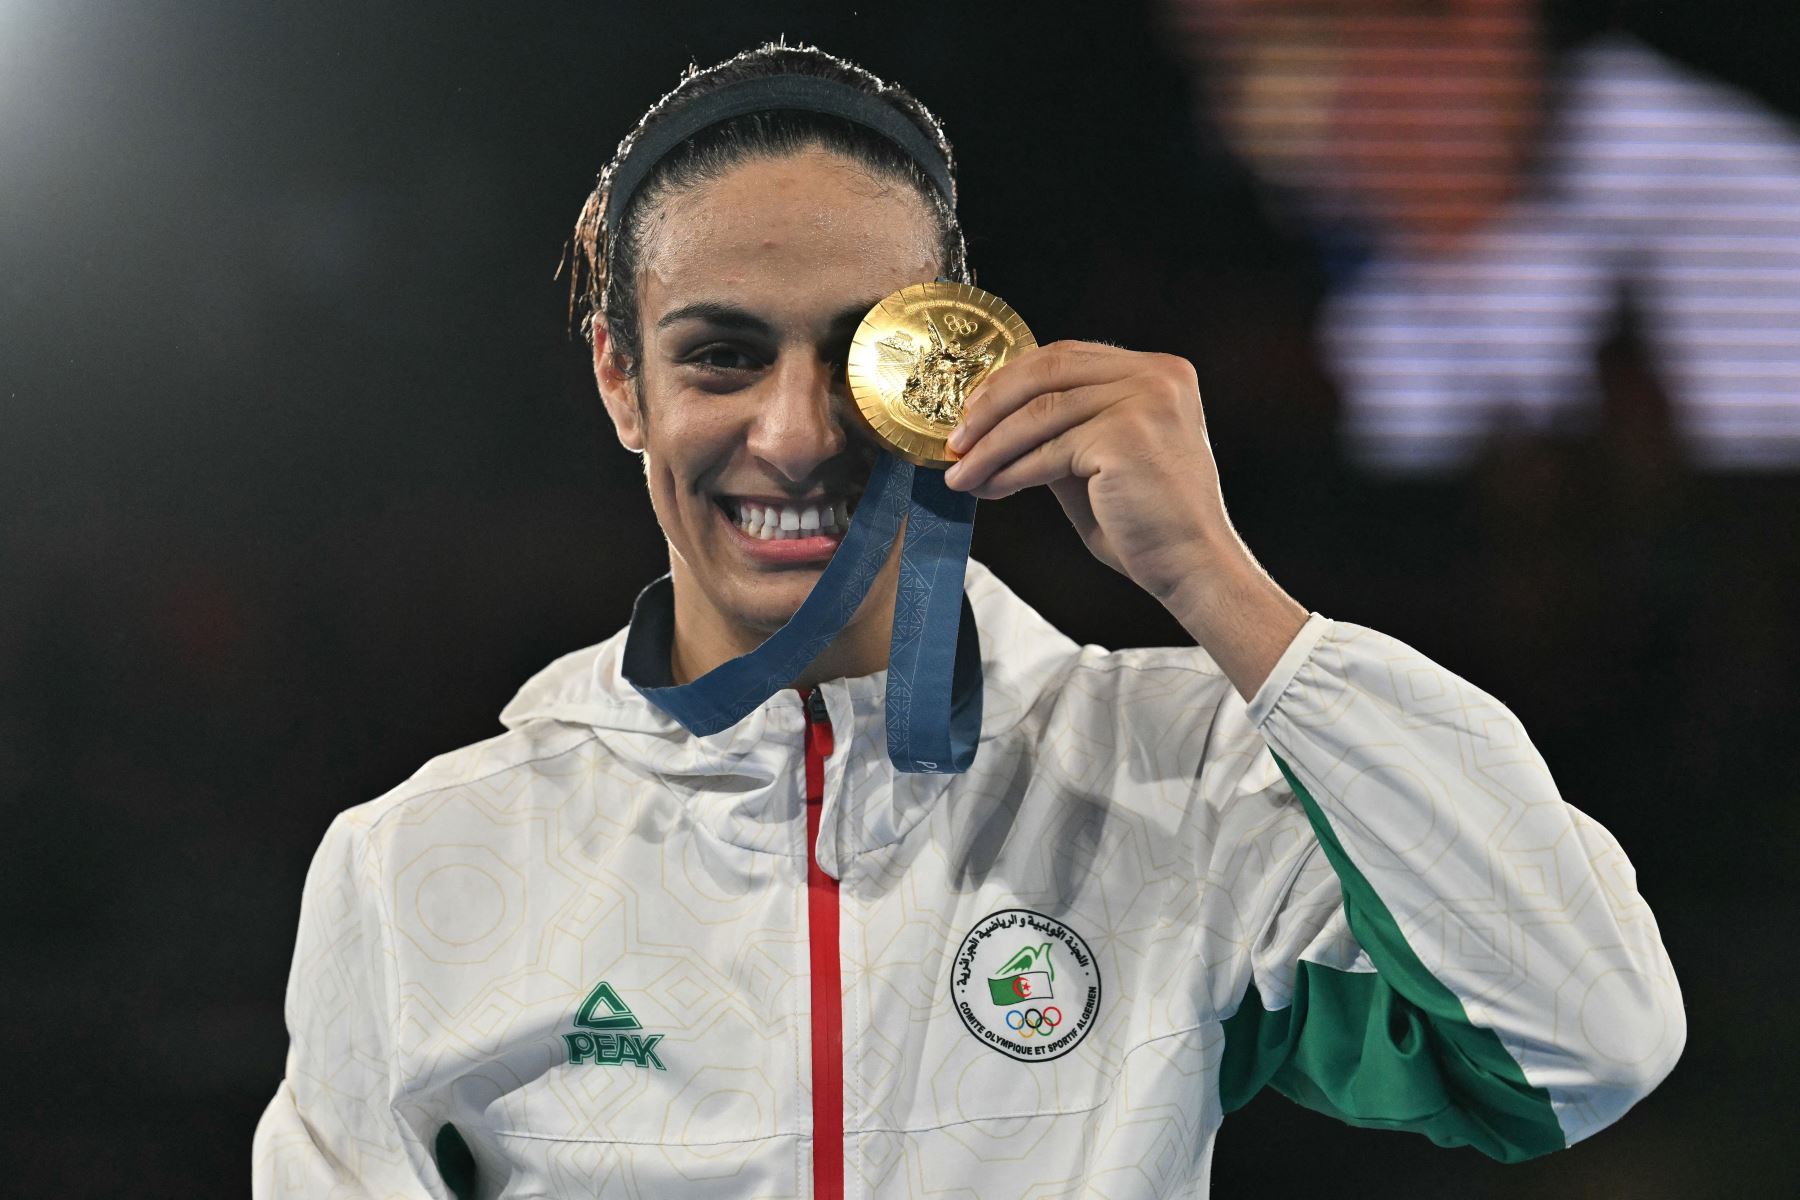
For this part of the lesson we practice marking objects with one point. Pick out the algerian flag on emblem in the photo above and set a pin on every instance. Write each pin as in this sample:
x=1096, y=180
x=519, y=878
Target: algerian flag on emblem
x=1026, y=976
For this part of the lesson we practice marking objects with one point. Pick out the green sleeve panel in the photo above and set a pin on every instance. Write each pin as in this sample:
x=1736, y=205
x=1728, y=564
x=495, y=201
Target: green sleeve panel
x=456, y=1162
x=1392, y=1049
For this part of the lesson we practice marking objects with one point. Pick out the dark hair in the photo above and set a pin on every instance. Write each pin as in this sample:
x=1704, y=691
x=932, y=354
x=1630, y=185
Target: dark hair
x=602, y=282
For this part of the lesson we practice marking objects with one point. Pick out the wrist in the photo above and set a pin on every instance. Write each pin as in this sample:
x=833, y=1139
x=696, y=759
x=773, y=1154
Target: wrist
x=1215, y=569
x=1235, y=612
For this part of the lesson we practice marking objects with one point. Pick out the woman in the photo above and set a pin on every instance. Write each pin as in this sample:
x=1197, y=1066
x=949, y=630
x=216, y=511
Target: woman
x=602, y=955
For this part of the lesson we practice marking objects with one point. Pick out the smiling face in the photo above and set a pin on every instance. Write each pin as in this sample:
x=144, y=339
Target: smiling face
x=751, y=288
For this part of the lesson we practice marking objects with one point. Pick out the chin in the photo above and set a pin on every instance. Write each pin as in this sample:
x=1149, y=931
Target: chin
x=766, y=605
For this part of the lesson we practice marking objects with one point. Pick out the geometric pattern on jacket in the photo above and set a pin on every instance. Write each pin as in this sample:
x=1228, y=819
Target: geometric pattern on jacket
x=1361, y=888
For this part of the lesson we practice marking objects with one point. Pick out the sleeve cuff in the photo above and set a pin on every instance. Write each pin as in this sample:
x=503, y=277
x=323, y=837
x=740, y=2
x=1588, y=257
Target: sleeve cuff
x=1286, y=667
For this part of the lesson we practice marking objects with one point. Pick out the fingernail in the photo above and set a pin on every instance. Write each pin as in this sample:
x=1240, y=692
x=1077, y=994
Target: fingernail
x=952, y=475
x=958, y=439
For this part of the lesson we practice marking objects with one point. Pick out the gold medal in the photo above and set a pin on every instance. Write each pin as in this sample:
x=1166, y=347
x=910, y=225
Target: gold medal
x=917, y=355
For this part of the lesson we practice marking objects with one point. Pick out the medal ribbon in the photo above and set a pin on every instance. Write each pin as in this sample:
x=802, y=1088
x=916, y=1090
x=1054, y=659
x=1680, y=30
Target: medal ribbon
x=934, y=657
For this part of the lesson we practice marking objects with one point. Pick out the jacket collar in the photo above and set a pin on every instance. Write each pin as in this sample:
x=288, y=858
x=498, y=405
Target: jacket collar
x=741, y=782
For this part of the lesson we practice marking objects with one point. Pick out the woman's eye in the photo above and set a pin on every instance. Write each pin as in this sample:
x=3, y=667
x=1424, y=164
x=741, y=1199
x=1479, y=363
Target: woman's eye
x=721, y=358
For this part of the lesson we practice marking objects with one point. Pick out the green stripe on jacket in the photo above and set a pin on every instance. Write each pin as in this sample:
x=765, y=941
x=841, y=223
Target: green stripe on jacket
x=1390, y=1050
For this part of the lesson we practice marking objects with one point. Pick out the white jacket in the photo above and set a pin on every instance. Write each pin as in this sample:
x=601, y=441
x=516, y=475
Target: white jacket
x=573, y=960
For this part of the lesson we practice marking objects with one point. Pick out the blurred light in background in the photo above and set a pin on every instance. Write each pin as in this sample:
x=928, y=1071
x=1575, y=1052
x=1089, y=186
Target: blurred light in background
x=1496, y=211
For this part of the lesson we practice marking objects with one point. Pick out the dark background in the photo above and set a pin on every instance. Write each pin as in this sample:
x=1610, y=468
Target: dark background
x=301, y=477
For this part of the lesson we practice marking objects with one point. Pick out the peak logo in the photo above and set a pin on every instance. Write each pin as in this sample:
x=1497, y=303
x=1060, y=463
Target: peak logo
x=601, y=1038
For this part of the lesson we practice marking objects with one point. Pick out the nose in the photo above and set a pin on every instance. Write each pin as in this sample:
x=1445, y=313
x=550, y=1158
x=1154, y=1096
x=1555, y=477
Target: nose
x=799, y=419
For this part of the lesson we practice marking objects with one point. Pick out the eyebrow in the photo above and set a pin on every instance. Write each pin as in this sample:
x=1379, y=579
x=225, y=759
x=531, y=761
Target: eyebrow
x=729, y=316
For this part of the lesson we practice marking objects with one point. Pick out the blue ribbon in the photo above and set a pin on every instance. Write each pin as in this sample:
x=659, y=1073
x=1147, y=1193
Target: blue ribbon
x=934, y=657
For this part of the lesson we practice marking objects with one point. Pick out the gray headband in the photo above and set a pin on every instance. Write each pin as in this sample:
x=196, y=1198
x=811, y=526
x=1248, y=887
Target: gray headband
x=806, y=93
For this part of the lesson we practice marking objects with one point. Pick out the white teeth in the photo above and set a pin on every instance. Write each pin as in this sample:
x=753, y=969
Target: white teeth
x=770, y=522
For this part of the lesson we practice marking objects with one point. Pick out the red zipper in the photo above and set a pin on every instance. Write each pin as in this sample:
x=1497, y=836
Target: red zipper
x=827, y=974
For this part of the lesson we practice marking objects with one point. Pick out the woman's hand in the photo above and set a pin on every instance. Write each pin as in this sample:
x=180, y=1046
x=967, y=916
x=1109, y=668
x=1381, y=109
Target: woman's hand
x=1120, y=437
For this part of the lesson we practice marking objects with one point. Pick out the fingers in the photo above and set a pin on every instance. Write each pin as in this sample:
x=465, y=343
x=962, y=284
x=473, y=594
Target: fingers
x=1058, y=367
x=1044, y=462
x=1011, y=455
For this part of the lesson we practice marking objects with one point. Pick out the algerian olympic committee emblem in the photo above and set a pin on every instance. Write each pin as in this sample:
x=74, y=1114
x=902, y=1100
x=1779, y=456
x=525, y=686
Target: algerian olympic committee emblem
x=1026, y=984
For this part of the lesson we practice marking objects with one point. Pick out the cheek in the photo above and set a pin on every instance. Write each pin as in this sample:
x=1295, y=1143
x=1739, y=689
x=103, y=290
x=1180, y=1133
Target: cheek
x=690, y=442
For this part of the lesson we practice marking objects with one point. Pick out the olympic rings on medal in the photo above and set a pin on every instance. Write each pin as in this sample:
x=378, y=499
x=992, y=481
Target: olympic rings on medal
x=1033, y=1021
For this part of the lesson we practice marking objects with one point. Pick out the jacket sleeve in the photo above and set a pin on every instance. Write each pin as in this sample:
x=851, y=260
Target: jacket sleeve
x=332, y=1130
x=1453, y=950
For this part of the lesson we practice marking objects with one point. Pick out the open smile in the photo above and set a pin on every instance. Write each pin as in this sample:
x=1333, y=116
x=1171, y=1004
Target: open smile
x=778, y=531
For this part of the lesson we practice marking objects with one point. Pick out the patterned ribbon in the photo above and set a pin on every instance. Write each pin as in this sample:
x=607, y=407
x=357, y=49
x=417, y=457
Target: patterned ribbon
x=934, y=657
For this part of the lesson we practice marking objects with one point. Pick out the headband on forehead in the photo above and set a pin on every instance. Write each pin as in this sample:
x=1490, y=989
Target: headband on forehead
x=806, y=93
